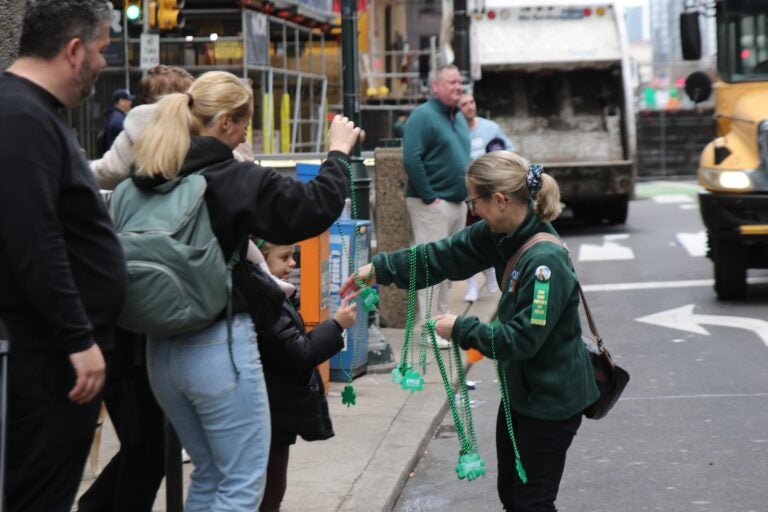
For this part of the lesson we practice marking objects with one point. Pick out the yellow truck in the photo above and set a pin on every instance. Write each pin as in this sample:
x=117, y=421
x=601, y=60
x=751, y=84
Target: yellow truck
x=733, y=169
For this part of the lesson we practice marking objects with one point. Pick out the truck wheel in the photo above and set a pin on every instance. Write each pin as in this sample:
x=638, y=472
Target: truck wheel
x=730, y=270
x=616, y=211
x=590, y=213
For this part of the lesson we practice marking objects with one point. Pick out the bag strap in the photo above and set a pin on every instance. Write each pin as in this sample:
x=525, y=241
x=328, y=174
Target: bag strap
x=549, y=237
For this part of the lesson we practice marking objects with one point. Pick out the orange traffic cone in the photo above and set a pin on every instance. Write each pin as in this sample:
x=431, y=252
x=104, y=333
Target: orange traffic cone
x=474, y=355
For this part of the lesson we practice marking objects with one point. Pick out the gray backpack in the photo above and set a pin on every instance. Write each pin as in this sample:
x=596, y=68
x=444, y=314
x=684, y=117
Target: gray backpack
x=178, y=279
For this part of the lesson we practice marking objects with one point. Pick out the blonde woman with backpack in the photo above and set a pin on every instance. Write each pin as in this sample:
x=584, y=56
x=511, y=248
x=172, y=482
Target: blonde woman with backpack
x=211, y=384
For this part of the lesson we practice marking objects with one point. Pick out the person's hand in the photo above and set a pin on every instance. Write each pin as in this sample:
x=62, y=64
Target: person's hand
x=364, y=274
x=435, y=202
x=342, y=135
x=444, y=325
x=345, y=315
x=90, y=370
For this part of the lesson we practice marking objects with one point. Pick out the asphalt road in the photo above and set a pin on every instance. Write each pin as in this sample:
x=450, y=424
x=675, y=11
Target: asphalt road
x=690, y=433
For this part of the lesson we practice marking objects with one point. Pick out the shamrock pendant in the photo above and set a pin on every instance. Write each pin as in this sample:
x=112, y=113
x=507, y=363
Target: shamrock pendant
x=348, y=395
x=397, y=374
x=412, y=381
x=369, y=299
x=470, y=466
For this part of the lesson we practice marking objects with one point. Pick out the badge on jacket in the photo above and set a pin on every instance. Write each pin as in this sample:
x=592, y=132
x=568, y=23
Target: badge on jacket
x=513, y=281
x=540, y=295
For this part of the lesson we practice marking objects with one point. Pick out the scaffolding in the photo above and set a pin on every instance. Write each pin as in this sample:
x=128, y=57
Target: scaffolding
x=291, y=67
x=400, y=76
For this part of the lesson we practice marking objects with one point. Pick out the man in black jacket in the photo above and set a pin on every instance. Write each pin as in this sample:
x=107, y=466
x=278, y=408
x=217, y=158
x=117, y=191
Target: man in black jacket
x=62, y=271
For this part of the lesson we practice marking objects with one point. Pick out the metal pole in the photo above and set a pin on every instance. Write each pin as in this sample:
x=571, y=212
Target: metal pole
x=125, y=52
x=380, y=355
x=144, y=28
x=361, y=182
x=461, y=37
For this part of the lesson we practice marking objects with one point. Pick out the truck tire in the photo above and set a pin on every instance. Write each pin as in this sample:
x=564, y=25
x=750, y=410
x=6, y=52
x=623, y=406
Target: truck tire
x=614, y=211
x=617, y=211
x=590, y=213
x=730, y=270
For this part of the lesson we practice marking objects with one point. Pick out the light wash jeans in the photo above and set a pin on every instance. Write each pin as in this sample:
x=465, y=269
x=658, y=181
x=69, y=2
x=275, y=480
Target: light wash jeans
x=222, y=420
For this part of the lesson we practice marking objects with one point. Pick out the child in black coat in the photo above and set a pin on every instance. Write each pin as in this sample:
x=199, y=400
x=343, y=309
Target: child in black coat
x=290, y=357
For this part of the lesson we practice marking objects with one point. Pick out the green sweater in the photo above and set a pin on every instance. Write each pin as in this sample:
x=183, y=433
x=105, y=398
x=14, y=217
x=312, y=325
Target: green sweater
x=549, y=375
x=436, y=153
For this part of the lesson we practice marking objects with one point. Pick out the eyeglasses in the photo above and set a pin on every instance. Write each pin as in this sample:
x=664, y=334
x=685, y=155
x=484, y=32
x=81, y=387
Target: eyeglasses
x=471, y=202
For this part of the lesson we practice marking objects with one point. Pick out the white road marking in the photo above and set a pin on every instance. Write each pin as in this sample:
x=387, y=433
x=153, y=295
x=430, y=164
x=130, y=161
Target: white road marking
x=684, y=319
x=658, y=285
x=694, y=243
x=609, y=251
x=677, y=397
x=673, y=199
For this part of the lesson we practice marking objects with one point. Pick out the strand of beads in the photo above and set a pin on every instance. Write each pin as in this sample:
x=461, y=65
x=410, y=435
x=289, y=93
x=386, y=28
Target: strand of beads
x=507, y=411
x=404, y=374
x=470, y=464
x=367, y=299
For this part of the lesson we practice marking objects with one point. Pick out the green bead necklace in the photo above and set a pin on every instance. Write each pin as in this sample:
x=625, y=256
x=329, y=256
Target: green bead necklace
x=470, y=465
x=505, y=404
x=404, y=374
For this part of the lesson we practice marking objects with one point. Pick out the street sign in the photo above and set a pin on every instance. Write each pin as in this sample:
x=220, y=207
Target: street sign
x=150, y=51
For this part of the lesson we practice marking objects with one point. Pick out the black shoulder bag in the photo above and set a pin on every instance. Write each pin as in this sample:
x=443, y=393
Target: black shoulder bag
x=611, y=379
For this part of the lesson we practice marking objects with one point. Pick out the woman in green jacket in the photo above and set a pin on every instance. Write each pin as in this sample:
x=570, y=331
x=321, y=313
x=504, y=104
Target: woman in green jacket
x=548, y=373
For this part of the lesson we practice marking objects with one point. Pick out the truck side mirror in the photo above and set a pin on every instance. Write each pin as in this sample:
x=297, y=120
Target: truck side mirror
x=698, y=86
x=690, y=35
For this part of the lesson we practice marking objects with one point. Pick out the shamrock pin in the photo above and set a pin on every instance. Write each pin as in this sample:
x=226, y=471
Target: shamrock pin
x=348, y=395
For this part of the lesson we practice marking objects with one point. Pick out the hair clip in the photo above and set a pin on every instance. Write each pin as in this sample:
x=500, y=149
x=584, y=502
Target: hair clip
x=533, y=178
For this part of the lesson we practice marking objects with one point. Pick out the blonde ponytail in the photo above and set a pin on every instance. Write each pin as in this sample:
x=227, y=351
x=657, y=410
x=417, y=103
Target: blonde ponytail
x=163, y=145
x=547, y=201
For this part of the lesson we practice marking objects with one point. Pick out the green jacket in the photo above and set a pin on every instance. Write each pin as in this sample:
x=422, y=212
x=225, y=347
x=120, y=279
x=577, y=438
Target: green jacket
x=436, y=153
x=549, y=375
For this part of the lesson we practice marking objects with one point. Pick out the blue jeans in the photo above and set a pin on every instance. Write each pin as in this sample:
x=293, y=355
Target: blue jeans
x=222, y=420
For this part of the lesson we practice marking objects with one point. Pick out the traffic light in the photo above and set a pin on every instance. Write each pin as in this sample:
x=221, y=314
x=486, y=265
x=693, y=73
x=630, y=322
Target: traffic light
x=169, y=14
x=133, y=10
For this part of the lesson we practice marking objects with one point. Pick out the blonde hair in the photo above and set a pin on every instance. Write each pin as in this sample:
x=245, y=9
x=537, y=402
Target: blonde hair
x=505, y=172
x=164, y=143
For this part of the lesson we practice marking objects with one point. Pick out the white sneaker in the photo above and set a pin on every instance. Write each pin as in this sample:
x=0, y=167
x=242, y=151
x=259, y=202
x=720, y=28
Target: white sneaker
x=185, y=456
x=471, y=295
x=490, y=281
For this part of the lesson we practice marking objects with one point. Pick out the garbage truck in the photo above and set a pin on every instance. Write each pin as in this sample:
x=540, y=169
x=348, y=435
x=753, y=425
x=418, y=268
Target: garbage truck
x=733, y=168
x=558, y=79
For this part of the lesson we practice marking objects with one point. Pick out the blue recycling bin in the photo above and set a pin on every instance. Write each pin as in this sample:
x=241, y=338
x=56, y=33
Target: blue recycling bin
x=350, y=240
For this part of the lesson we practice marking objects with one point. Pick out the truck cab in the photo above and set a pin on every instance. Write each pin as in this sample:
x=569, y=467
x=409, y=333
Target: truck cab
x=733, y=168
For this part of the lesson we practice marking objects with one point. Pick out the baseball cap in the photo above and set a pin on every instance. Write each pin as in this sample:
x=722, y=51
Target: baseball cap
x=122, y=94
x=495, y=144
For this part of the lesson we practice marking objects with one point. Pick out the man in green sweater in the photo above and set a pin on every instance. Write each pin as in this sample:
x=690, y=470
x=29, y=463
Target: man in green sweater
x=436, y=156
